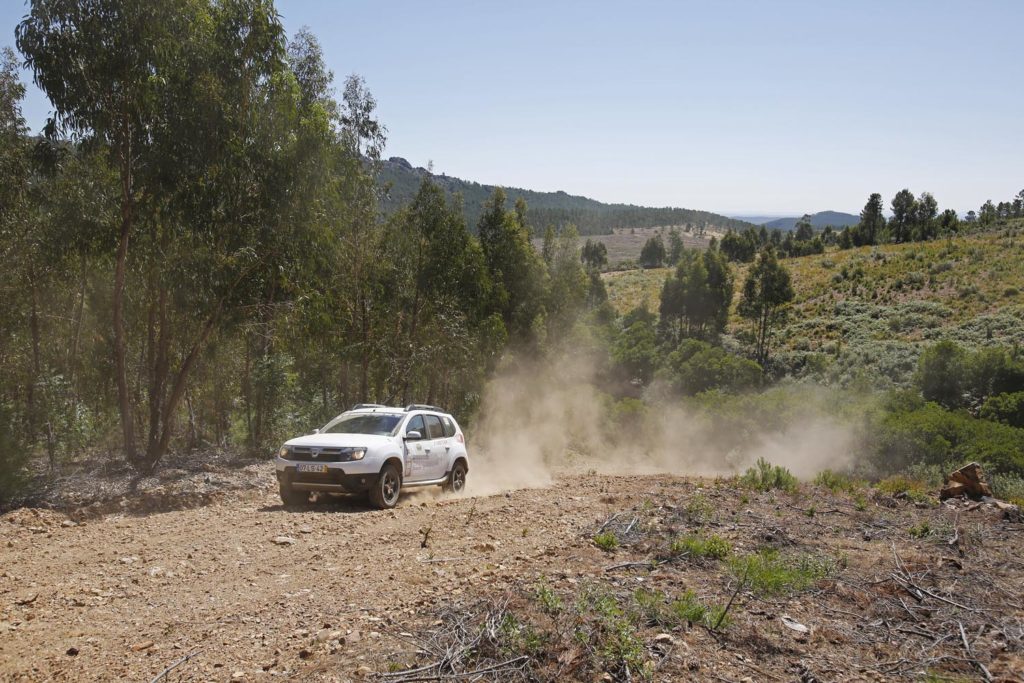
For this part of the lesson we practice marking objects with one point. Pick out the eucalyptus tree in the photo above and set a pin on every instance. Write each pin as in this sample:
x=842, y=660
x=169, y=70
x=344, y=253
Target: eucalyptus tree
x=215, y=150
x=767, y=291
x=516, y=271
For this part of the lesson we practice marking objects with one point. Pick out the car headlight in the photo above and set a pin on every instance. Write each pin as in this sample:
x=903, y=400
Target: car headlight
x=283, y=452
x=356, y=454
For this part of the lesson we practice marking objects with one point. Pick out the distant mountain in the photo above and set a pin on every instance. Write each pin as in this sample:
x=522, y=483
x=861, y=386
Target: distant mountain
x=558, y=209
x=836, y=219
x=757, y=220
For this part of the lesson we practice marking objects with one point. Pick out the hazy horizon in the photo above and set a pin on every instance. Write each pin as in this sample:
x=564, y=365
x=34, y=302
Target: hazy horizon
x=741, y=108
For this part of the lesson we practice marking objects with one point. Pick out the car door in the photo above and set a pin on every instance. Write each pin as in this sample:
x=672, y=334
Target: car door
x=435, y=448
x=416, y=451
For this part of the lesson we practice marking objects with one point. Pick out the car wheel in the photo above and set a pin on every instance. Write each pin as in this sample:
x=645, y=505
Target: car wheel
x=384, y=493
x=457, y=481
x=290, y=496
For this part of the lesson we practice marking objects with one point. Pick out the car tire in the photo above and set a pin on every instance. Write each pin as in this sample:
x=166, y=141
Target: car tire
x=385, y=491
x=290, y=496
x=457, y=479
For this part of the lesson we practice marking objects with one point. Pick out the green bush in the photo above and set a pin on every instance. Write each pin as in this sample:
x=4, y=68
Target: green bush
x=901, y=485
x=764, y=477
x=931, y=435
x=769, y=573
x=606, y=541
x=713, y=547
x=1005, y=408
x=839, y=481
x=697, y=366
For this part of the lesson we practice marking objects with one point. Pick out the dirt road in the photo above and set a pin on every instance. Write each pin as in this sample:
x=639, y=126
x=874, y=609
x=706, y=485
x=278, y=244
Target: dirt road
x=252, y=585
x=339, y=592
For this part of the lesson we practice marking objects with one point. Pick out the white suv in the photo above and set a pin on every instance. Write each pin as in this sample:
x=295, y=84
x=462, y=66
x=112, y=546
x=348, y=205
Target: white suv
x=375, y=449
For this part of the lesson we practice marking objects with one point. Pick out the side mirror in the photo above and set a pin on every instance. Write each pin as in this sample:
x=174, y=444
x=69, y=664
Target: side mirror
x=316, y=431
x=413, y=436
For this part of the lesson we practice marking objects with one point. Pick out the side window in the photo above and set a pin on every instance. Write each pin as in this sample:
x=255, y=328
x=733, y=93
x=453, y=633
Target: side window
x=449, y=426
x=434, y=428
x=416, y=425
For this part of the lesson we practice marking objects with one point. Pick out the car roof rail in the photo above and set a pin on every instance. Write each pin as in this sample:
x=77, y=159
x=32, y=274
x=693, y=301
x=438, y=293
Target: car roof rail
x=422, y=406
x=360, y=406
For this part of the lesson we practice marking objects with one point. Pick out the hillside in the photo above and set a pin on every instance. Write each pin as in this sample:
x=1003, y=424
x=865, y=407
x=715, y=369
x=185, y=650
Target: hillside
x=871, y=310
x=655, y=578
x=836, y=219
x=590, y=216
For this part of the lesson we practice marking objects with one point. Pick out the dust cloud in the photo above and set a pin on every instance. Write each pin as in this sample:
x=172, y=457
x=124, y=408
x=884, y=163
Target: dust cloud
x=541, y=419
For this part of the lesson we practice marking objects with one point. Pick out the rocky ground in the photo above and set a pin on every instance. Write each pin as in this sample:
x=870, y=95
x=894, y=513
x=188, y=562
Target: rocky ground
x=696, y=580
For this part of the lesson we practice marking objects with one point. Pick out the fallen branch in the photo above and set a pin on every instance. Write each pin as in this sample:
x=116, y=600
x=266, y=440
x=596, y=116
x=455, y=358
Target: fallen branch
x=650, y=564
x=910, y=587
x=426, y=560
x=438, y=676
x=739, y=587
x=970, y=654
x=175, y=664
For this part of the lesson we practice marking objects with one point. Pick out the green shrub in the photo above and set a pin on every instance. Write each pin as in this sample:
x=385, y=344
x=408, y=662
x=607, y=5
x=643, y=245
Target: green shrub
x=548, y=599
x=713, y=547
x=1005, y=408
x=699, y=509
x=606, y=541
x=764, y=477
x=921, y=530
x=654, y=609
x=769, y=573
x=900, y=485
x=697, y=366
x=839, y=481
x=928, y=434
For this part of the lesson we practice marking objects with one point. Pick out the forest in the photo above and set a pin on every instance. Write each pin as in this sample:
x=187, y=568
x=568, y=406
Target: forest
x=195, y=252
x=400, y=181
x=198, y=256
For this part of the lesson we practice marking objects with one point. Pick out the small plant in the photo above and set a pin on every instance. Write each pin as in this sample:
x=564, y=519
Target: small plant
x=651, y=607
x=839, y=481
x=764, y=476
x=606, y=541
x=922, y=530
x=768, y=573
x=713, y=547
x=698, y=509
x=900, y=486
x=548, y=599
x=686, y=608
x=717, y=618
x=860, y=503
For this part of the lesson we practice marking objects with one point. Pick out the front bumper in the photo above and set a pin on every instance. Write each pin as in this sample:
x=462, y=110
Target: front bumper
x=342, y=477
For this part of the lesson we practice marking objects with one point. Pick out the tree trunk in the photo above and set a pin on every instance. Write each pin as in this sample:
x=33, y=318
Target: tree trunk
x=120, y=274
x=33, y=325
x=247, y=392
x=72, y=359
x=159, y=448
x=159, y=369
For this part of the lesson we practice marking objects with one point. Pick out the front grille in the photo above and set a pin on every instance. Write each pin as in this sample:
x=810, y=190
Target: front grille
x=305, y=454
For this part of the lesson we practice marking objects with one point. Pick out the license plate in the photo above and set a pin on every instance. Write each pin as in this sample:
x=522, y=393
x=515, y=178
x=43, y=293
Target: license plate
x=310, y=467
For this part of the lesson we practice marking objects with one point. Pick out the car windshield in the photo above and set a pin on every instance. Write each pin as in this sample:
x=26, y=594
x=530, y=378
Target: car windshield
x=380, y=424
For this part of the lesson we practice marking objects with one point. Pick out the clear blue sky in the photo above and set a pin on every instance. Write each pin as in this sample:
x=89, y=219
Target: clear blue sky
x=737, y=107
